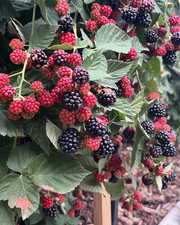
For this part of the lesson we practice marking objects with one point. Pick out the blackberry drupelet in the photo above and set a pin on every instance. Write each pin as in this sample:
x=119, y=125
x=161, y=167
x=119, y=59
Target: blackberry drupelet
x=169, y=58
x=143, y=19
x=53, y=211
x=169, y=150
x=147, y=6
x=70, y=140
x=162, y=137
x=119, y=92
x=148, y=126
x=72, y=101
x=106, y=146
x=171, y=177
x=93, y=127
x=157, y=110
x=147, y=180
x=156, y=151
x=80, y=75
x=38, y=58
x=129, y=15
x=175, y=39
x=60, y=58
x=106, y=97
x=65, y=23
x=151, y=36
x=164, y=183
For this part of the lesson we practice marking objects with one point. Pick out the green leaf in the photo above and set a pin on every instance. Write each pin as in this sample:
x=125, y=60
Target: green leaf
x=53, y=133
x=36, y=217
x=59, y=173
x=159, y=183
x=86, y=38
x=88, y=1
x=21, y=157
x=101, y=164
x=43, y=35
x=6, y=215
x=116, y=190
x=62, y=220
x=153, y=67
x=20, y=193
x=9, y=127
x=96, y=65
x=160, y=6
x=64, y=46
x=112, y=38
x=87, y=160
x=89, y=184
x=79, y=7
x=137, y=44
x=51, y=3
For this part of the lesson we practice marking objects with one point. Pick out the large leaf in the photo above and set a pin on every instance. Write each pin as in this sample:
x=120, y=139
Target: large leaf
x=21, y=157
x=96, y=65
x=90, y=184
x=6, y=215
x=116, y=190
x=111, y=37
x=20, y=193
x=9, y=127
x=153, y=67
x=61, y=220
x=79, y=6
x=58, y=173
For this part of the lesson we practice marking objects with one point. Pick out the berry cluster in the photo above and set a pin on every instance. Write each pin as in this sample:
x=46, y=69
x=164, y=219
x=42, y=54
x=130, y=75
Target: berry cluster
x=132, y=202
x=100, y=15
x=124, y=88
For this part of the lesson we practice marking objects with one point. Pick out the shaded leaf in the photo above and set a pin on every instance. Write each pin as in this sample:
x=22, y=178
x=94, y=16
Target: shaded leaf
x=89, y=184
x=62, y=220
x=116, y=190
x=6, y=215
x=79, y=6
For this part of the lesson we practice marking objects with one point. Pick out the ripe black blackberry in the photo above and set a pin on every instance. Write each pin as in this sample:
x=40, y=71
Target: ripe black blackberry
x=164, y=183
x=80, y=75
x=65, y=23
x=72, y=101
x=147, y=180
x=162, y=137
x=169, y=150
x=93, y=127
x=171, y=177
x=175, y=39
x=53, y=211
x=157, y=110
x=106, y=97
x=156, y=151
x=129, y=15
x=151, y=36
x=148, y=126
x=143, y=19
x=128, y=134
x=60, y=57
x=70, y=140
x=119, y=92
x=147, y=6
x=38, y=58
x=106, y=146
x=169, y=58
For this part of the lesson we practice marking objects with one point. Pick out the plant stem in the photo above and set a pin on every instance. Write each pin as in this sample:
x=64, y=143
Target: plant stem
x=15, y=74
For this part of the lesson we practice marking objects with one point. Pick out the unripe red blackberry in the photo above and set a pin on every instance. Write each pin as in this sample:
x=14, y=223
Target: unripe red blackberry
x=72, y=101
x=143, y=19
x=95, y=14
x=169, y=58
x=60, y=57
x=38, y=58
x=16, y=107
x=48, y=72
x=31, y=105
x=80, y=75
x=162, y=31
x=102, y=20
x=106, y=146
x=84, y=114
x=148, y=126
x=90, y=100
x=69, y=141
x=129, y=15
x=106, y=97
x=62, y=7
x=91, y=25
x=174, y=19
x=47, y=202
x=65, y=23
x=16, y=43
x=157, y=110
x=93, y=143
x=65, y=84
x=64, y=71
x=68, y=38
x=96, y=6
x=74, y=59
x=147, y=6
x=7, y=92
x=18, y=56
x=37, y=86
x=67, y=117
x=4, y=80
x=161, y=51
x=106, y=10
x=85, y=89
x=94, y=128
x=175, y=39
x=45, y=99
x=156, y=151
x=151, y=36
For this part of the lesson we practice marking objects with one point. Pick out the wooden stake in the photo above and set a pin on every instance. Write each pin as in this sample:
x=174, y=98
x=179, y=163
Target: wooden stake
x=102, y=209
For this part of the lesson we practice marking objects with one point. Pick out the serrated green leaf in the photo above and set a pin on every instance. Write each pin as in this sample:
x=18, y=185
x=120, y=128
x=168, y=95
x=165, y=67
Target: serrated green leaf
x=79, y=7
x=60, y=172
x=53, y=133
x=89, y=184
x=6, y=215
x=116, y=190
x=111, y=38
x=21, y=157
x=20, y=193
x=159, y=183
x=96, y=65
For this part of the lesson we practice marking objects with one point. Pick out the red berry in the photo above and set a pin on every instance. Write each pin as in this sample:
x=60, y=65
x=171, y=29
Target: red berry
x=102, y=20
x=47, y=202
x=74, y=59
x=117, y=140
x=174, y=19
x=175, y=29
x=55, y=93
x=138, y=196
x=91, y=25
x=111, y=21
x=65, y=84
x=28, y=116
x=106, y=10
x=128, y=92
x=84, y=114
x=90, y=100
x=71, y=213
x=37, y=86
x=137, y=205
x=162, y=31
x=60, y=197
x=67, y=117
x=16, y=44
x=159, y=171
x=7, y=92
x=78, y=205
x=45, y=99
x=124, y=82
x=132, y=54
x=102, y=119
x=62, y=7
x=31, y=105
x=120, y=172
x=93, y=143
x=169, y=46
x=65, y=71
x=68, y=38
x=115, y=162
x=48, y=71
x=96, y=6
x=107, y=175
x=161, y=51
x=154, y=95
x=18, y=56
x=85, y=89
x=16, y=107
x=12, y=116
x=126, y=205
x=99, y=177
x=136, y=3
x=4, y=80
x=172, y=137
x=148, y=163
x=95, y=13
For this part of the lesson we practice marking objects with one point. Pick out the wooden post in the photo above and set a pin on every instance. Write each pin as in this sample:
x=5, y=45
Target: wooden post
x=102, y=209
